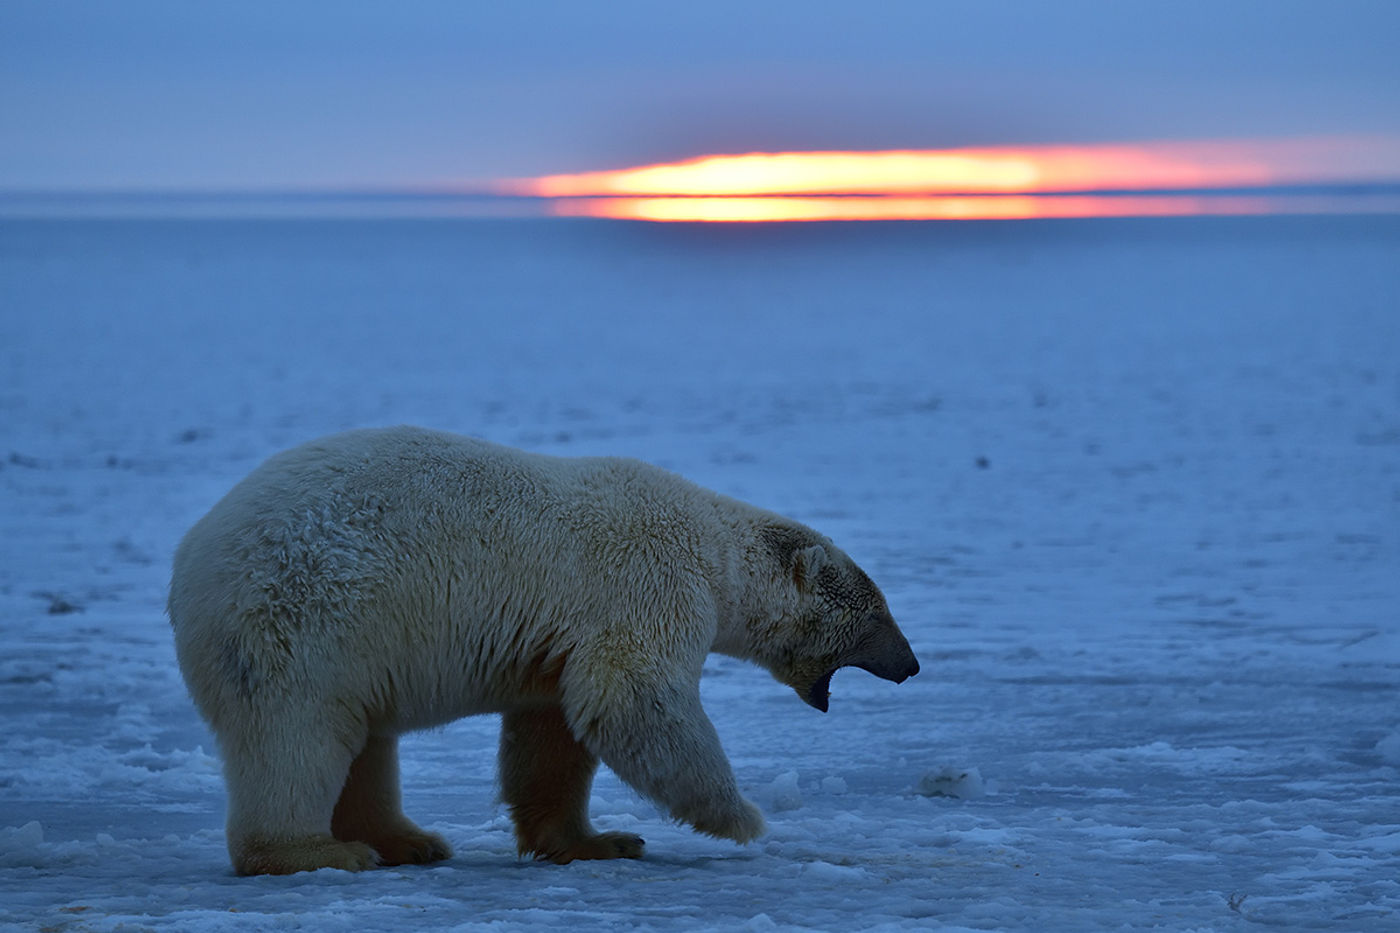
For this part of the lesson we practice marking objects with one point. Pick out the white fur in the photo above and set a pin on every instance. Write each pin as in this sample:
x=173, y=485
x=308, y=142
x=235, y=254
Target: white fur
x=379, y=581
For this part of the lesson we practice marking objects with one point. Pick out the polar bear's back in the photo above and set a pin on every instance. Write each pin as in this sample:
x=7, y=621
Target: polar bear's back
x=325, y=522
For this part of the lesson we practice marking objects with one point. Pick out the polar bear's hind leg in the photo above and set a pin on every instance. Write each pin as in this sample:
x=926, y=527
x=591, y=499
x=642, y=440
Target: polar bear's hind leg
x=280, y=804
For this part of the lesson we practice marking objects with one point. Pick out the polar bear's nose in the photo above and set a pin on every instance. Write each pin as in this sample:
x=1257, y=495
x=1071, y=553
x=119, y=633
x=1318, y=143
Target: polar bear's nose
x=911, y=668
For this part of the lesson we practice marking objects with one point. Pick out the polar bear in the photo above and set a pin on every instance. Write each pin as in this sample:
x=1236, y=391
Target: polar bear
x=379, y=581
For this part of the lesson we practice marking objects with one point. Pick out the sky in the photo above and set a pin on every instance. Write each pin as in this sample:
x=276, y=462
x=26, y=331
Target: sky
x=172, y=95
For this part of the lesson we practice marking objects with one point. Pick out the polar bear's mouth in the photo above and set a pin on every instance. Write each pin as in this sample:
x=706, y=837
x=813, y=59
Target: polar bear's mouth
x=819, y=694
x=887, y=656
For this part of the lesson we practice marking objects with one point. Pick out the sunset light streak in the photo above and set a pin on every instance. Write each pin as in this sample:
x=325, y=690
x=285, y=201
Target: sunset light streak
x=967, y=207
x=995, y=207
x=1020, y=182
x=1008, y=170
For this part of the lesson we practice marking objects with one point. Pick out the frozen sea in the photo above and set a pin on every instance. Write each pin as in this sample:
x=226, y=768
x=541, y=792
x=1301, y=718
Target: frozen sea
x=1132, y=488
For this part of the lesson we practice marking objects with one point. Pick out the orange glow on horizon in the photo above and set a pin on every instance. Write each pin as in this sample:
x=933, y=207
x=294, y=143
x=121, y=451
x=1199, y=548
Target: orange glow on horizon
x=994, y=207
x=975, y=207
x=1038, y=169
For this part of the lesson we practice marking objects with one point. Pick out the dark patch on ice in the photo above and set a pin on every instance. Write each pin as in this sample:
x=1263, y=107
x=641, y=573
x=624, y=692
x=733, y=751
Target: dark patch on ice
x=958, y=654
x=1379, y=438
x=1358, y=686
x=1217, y=623
x=40, y=678
x=59, y=605
x=1131, y=470
x=128, y=552
x=1093, y=680
x=730, y=456
x=30, y=463
x=1364, y=539
x=1198, y=599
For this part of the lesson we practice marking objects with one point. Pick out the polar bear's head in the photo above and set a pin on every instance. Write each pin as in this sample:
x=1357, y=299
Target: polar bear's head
x=832, y=616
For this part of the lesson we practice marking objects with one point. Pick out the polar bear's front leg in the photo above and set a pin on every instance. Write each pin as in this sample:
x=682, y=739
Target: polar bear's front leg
x=545, y=777
x=659, y=740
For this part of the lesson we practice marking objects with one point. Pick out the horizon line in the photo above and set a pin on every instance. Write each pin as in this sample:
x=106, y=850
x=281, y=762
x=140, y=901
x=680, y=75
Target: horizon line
x=1374, y=199
x=488, y=191
x=369, y=205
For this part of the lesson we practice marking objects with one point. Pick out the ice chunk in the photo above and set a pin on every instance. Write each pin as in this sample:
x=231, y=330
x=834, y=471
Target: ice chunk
x=783, y=793
x=18, y=844
x=13, y=838
x=963, y=783
x=829, y=873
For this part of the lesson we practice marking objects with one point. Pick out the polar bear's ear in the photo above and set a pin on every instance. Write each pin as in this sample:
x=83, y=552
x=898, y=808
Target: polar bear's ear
x=806, y=563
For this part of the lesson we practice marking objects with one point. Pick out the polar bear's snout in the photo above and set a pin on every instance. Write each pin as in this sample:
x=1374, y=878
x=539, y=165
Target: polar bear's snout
x=885, y=652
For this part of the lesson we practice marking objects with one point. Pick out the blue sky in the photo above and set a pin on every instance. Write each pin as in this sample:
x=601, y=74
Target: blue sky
x=177, y=94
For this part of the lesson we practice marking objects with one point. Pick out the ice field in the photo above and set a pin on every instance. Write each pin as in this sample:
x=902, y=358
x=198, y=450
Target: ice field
x=1132, y=488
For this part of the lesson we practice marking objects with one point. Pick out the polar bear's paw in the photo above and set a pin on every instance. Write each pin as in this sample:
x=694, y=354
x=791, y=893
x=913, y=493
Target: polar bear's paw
x=741, y=822
x=415, y=847
x=596, y=846
x=261, y=856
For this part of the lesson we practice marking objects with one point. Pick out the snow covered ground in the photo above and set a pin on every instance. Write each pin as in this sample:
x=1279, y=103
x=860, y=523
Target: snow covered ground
x=1131, y=487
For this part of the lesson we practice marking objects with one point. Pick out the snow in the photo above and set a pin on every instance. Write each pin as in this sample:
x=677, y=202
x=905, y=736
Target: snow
x=1131, y=488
